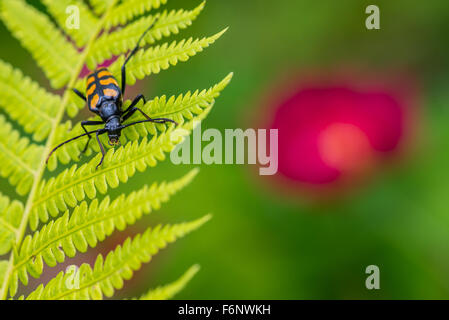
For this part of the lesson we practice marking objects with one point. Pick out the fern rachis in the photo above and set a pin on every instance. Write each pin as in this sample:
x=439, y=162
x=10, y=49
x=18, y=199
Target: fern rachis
x=86, y=220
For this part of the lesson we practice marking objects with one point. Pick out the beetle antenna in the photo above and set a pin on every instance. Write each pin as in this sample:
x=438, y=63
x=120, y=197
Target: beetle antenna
x=140, y=39
x=67, y=141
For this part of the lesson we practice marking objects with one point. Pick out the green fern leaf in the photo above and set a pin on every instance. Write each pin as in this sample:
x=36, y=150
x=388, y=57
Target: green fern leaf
x=3, y=268
x=181, y=108
x=75, y=104
x=170, y=290
x=161, y=57
x=108, y=274
x=19, y=157
x=86, y=27
x=113, y=44
x=10, y=216
x=53, y=53
x=88, y=225
x=100, y=6
x=26, y=102
x=130, y=9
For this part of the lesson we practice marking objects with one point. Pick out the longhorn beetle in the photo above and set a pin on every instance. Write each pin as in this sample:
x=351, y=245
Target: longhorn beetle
x=105, y=99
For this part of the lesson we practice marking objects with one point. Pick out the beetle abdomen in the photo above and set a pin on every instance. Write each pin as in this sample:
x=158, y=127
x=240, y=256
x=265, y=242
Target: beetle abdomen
x=101, y=85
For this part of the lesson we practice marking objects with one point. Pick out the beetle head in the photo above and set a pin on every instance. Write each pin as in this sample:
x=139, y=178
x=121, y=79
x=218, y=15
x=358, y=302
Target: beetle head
x=114, y=131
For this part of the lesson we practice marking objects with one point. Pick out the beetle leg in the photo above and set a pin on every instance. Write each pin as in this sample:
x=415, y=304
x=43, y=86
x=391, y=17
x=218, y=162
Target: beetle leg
x=88, y=123
x=103, y=153
x=130, y=110
x=136, y=101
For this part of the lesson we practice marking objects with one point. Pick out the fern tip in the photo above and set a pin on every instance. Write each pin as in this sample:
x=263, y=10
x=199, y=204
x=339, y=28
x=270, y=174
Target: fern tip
x=227, y=79
x=194, y=269
x=218, y=35
x=206, y=218
x=194, y=171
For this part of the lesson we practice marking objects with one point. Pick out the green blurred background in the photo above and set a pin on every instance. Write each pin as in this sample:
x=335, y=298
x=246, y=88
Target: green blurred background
x=262, y=244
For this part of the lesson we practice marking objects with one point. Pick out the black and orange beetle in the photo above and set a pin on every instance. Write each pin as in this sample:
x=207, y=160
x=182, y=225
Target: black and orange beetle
x=104, y=98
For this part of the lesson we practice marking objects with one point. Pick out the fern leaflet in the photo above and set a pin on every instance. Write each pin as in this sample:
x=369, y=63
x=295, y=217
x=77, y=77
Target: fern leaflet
x=116, y=42
x=53, y=53
x=161, y=57
x=170, y=290
x=26, y=102
x=130, y=9
x=10, y=216
x=19, y=157
x=100, y=6
x=108, y=274
x=84, y=29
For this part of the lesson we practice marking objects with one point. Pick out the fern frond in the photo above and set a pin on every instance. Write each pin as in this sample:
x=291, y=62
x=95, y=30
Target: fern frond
x=52, y=52
x=161, y=57
x=19, y=157
x=108, y=274
x=117, y=42
x=10, y=216
x=74, y=184
x=87, y=24
x=170, y=290
x=88, y=225
x=26, y=102
x=184, y=107
x=62, y=53
x=130, y=9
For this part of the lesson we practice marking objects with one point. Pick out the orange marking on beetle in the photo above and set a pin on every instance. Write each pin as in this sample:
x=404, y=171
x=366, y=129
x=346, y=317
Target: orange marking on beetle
x=108, y=81
x=110, y=92
x=90, y=79
x=94, y=101
x=91, y=90
x=103, y=74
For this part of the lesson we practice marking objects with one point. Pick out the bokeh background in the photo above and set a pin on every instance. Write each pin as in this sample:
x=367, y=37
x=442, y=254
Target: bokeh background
x=374, y=191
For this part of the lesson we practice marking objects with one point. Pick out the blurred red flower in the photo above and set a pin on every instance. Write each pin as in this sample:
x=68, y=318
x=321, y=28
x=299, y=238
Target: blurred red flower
x=333, y=130
x=105, y=64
